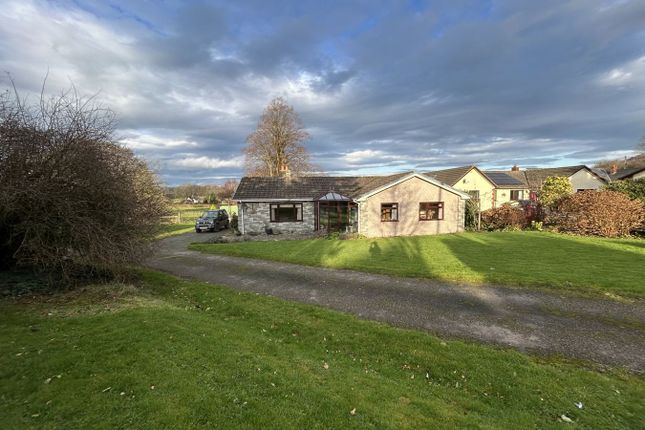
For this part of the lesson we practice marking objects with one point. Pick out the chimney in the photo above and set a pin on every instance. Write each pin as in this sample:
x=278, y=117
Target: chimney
x=284, y=170
x=515, y=168
x=613, y=169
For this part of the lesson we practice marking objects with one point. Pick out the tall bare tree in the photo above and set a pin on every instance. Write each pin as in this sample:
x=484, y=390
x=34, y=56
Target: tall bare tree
x=278, y=142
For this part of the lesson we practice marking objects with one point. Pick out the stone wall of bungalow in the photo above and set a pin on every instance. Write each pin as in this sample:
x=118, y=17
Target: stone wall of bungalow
x=256, y=218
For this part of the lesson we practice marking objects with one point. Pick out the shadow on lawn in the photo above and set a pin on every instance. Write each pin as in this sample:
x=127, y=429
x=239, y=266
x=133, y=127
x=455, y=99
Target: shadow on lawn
x=520, y=258
x=549, y=259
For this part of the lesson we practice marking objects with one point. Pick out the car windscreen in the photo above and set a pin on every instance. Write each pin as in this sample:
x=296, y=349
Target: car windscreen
x=210, y=214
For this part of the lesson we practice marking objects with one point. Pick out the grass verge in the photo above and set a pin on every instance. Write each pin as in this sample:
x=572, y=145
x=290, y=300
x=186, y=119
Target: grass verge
x=596, y=265
x=167, y=353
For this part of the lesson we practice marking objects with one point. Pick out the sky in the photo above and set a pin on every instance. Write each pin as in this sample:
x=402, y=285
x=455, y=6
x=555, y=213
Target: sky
x=381, y=86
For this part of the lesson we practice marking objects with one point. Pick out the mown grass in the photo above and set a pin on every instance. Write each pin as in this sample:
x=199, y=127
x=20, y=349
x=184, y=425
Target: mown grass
x=167, y=353
x=167, y=230
x=612, y=266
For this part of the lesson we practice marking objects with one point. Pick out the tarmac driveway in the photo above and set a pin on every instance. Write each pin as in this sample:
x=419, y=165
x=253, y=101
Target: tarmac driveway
x=603, y=331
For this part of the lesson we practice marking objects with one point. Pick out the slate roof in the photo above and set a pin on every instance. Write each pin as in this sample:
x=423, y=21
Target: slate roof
x=625, y=173
x=536, y=177
x=450, y=176
x=601, y=173
x=309, y=187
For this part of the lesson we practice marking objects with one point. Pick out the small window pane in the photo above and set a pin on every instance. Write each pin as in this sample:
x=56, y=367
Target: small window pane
x=429, y=211
x=288, y=212
x=389, y=212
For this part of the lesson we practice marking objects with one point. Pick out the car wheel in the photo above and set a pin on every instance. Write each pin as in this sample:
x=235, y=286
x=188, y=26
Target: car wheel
x=197, y=230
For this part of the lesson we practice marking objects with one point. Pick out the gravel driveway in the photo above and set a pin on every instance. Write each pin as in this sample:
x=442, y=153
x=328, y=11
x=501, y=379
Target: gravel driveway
x=603, y=331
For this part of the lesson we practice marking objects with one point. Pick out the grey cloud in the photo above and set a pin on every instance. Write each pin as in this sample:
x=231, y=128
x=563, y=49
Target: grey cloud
x=514, y=82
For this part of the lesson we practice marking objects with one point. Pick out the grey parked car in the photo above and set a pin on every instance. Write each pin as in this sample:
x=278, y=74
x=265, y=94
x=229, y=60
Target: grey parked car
x=214, y=220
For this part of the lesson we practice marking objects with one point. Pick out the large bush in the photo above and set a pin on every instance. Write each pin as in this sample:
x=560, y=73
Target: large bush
x=601, y=213
x=554, y=189
x=71, y=198
x=633, y=189
x=504, y=217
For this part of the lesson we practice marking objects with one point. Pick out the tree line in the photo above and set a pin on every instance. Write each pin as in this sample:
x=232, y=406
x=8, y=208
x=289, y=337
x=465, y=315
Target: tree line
x=204, y=193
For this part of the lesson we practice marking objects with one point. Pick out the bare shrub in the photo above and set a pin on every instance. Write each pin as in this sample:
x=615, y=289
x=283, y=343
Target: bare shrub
x=504, y=217
x=71, y=198
x=600, y=213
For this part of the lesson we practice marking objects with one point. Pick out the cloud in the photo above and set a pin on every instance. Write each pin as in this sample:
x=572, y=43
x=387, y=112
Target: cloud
x=390, y=87
x=204, y=162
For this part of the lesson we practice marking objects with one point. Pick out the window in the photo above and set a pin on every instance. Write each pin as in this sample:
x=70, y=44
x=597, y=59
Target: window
x=517, y=195
x=430, y=211
x=389, y=212
x=290, y=212
x=474, y=194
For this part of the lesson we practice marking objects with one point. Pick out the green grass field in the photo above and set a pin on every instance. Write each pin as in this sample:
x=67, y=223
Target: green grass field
x=614, y=266
x=165, y=353
x=167, y=230
x=187, y=214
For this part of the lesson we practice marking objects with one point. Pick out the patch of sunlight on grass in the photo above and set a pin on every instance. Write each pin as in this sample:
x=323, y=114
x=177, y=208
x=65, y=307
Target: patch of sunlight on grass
x=539, y=259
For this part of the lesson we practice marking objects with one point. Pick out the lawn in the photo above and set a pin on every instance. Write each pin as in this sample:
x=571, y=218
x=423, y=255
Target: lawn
x=166, y=353
x=613, y=266
x=167, y=230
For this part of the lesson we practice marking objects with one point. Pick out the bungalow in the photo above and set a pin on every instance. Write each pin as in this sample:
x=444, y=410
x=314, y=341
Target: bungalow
x=490, y=189
x=582, y=178
x=493, y=188
x=396, y=205
x=627, y=174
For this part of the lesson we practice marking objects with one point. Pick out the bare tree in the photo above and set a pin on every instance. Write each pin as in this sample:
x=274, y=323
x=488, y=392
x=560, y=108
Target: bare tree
x=227, y=189
x=277, y=143
x=71, y=197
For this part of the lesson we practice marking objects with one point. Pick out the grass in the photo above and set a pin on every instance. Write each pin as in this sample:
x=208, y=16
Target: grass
x=167, y=353
x=167, y=230
x=596, y=265
x=183, y=217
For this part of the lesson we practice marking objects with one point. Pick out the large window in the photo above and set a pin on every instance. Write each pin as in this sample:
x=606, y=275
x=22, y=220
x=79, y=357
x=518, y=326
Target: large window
x=517, y=195
x=389, y=212
x=430, y=211
x=289, y=212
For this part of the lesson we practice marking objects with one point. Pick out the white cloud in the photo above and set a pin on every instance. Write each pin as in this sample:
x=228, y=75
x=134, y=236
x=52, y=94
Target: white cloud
x=628, y=74
x=146, y=142
x=205, y=162
x=371, y=156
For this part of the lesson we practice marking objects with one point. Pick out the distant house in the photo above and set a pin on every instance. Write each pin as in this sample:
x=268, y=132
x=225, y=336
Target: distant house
x=375, y=206
x=582, y=178
x=494, y=188
x=490, y=189
x=627, y=174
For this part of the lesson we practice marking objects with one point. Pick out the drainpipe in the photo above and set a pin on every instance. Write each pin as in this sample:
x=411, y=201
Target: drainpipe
x=241, y=218
x=358, y=217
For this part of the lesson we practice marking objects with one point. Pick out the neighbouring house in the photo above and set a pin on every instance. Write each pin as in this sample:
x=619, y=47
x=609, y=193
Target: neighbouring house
x=627, y=174
x=582, y=178
x=490, y=189
x=493, y=188
x=375, y=206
